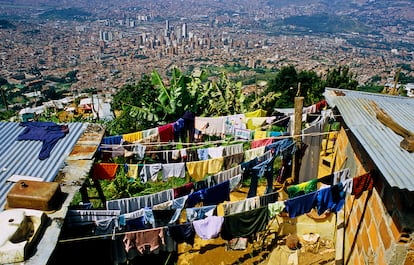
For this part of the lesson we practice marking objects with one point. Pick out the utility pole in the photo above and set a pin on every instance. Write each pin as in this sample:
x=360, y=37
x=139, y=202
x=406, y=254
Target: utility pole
x=3, y=84
x=93, y=105
x=297, y=128
x=3, y=96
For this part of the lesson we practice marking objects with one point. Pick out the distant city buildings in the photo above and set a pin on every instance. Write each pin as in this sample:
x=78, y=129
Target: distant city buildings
x=118, y=46
x=105, y=36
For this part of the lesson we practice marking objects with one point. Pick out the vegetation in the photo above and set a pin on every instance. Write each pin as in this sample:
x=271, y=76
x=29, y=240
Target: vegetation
x=212, y=91
x=151, y=102
x=283, y=88
x=405, y=79
x=123, y=186
x=325, y=23
x=4, y=24
x=340, y=77
x=67, y=14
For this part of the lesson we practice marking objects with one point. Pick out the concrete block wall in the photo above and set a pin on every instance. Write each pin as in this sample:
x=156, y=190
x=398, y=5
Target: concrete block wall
x=376, y=227
x=371, y=234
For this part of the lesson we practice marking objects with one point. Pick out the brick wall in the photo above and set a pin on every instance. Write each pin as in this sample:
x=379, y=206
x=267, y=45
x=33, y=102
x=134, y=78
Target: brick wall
x=377, y=224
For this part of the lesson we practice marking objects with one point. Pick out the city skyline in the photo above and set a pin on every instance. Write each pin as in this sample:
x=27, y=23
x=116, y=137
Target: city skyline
x=112, y=44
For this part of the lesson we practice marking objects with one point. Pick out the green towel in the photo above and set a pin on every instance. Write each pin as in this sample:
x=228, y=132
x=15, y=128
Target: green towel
x=302, y=188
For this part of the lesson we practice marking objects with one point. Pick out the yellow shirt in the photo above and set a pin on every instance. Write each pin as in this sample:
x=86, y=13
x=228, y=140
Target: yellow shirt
x=132, y=137
x=259, y=134
x=215, y=165
x=256, y=113
x=132, y=171
x=197, y=169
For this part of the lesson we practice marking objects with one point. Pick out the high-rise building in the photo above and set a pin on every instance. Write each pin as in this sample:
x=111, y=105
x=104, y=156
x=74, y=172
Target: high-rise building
x=101, y=35
x=105, y=36
x=184, y=31
x=167, y=28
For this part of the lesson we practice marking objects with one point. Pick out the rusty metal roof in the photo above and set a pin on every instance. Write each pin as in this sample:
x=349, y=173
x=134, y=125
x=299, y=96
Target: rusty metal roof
x=380, y=142
x=21, y=157
x=69, y=163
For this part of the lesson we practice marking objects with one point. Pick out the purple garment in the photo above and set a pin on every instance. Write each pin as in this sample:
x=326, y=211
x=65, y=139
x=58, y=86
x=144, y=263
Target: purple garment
x=301, y=204
x=47, y=132
x=209, y=227
x=217, y=194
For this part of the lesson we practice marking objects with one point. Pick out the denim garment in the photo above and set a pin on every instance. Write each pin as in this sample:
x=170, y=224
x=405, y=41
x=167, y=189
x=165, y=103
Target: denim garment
x=301, y=204
x=200, y=212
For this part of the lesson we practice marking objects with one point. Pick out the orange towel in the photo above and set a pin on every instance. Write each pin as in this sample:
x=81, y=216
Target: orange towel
x=104, y=171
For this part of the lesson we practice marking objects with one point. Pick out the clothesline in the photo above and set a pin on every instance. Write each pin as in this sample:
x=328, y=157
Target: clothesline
x=213, y=162
x=168, y=130
x=361, y=188
x=108, y=235
x=170, y=143
x=76, y=239
x=161, y=144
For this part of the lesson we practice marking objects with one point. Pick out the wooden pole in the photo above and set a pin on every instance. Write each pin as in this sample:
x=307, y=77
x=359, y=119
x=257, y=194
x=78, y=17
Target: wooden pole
x=3, y=96
x=297, y=128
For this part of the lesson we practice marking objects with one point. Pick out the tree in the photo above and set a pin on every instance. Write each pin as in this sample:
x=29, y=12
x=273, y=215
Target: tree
x=71, y=76
x=6, y=115
x=376, y=79
x=284, y=84
x=404, y=79
x=52, y=94
x=265, y=101
x=311, y=87
x=135, y=104
x=341, y=77
x=284, y=80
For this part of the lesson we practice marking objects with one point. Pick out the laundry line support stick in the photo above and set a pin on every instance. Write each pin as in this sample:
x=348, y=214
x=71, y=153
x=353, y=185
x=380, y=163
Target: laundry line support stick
x=297, y=128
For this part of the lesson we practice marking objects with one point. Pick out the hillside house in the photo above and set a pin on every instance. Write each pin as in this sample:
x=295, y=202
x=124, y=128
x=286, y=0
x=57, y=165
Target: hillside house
x=378, y=226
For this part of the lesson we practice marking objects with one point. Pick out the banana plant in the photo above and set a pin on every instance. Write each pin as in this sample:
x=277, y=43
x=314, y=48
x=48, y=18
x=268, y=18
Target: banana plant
x=197, y=92
x=172, y=99
x=225, y=97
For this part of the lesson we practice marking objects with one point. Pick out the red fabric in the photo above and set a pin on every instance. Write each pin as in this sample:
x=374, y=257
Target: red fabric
x=261, y=142
x=361, y=184
x=166, y=132
x=320, y=105
x=104, y=171
x=183, y=190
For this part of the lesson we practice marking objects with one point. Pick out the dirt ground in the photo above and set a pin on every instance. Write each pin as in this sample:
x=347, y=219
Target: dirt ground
x=214, y=252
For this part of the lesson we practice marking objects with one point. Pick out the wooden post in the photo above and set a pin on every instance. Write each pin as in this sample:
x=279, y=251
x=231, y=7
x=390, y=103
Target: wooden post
x=297, y=128
x=4, y=99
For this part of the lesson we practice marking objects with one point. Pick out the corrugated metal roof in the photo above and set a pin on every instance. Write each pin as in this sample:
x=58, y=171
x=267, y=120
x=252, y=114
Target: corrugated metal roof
x=21, y=157
x=381, y=143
